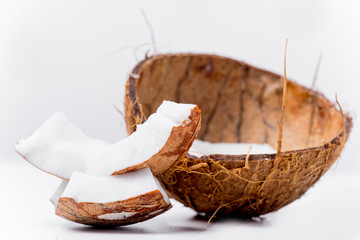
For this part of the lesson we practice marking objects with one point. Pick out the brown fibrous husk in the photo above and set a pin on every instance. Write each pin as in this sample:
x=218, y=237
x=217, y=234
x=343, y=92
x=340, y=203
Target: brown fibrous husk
x=239, y=103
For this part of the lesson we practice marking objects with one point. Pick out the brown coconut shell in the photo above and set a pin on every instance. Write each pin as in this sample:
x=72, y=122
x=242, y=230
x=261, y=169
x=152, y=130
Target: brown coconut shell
x=239, y=103
x=141, y=207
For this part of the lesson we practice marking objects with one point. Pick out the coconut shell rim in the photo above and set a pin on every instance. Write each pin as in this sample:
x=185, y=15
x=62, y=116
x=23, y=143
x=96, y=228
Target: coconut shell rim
x=130, y=92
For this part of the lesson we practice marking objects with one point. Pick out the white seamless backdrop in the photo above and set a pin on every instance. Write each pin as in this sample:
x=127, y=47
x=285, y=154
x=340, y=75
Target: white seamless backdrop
x=75, y=56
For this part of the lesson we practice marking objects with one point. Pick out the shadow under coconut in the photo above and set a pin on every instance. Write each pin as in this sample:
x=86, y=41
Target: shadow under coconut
x=137, y=230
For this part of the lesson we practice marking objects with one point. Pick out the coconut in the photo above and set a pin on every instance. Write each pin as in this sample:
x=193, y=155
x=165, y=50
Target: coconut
x=58, y=147
x=112, y=200
x=239, y=103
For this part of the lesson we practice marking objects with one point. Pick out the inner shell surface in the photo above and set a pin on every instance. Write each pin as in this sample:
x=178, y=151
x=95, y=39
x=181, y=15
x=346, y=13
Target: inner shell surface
x=238, y=102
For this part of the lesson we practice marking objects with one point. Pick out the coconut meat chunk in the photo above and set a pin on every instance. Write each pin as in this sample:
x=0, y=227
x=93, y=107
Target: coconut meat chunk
x=150, y=138
x=112, y=200
x=58, y=147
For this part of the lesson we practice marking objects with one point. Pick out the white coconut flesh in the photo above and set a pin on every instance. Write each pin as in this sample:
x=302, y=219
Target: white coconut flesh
x=109, y=193
x=200, y=148
x=58, y=192
x=84, y=187
x=148, y=139
x=58, y=147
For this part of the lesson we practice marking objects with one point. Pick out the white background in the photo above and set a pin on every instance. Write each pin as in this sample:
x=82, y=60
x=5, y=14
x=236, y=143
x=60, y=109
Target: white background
x=75, y=56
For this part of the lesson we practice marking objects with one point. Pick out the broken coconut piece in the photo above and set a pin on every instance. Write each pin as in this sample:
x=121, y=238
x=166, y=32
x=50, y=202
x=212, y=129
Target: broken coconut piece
x=164, y=138
x=112, y=200
x=58, y=147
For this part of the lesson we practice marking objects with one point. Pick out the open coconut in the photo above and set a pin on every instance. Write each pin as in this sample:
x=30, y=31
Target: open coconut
x=112, y=200
x=240, y=103
x=58, y=147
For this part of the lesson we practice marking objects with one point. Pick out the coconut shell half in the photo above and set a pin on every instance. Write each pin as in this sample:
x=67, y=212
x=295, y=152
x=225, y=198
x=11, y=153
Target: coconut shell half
x=239, y=103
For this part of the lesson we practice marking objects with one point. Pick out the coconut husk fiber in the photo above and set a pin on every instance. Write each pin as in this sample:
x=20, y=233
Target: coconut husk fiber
x=239, y=103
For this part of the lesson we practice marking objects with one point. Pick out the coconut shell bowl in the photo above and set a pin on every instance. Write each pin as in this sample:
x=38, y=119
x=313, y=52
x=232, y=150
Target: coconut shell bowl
x=239, y=103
